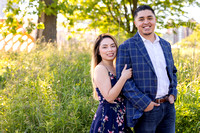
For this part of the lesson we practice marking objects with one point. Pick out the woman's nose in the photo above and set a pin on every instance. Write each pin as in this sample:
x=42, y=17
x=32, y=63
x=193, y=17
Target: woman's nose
x=109, y=48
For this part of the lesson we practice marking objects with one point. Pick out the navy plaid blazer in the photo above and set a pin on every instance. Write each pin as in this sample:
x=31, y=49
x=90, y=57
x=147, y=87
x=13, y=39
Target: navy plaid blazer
x=141, y=89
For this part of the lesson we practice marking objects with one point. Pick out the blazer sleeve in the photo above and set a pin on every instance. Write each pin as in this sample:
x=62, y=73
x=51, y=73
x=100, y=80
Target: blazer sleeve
x=138, y=99
x=173, y=84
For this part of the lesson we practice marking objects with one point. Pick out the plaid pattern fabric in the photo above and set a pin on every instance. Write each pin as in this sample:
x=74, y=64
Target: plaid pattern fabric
x=141, y=89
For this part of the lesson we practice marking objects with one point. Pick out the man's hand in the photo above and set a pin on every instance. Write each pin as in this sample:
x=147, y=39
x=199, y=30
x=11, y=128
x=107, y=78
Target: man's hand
x=171, y=99
x=151, y=106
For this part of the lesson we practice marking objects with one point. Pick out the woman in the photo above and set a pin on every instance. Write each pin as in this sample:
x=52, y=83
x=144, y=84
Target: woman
x=109, y=116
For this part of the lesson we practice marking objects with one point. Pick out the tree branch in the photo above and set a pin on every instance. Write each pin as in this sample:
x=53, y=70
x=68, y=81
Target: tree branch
x=127, y=17
x=116, y=18
x=133, y=7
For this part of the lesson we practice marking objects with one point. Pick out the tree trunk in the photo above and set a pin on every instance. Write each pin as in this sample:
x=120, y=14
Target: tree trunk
x=50, y=30
x=49, y=34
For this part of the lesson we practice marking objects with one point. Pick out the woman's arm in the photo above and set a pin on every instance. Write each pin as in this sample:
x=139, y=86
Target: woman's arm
x=102, y=81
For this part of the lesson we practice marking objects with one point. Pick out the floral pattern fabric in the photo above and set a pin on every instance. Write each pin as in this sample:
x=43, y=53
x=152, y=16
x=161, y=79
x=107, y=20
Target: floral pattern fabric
x=109, y=117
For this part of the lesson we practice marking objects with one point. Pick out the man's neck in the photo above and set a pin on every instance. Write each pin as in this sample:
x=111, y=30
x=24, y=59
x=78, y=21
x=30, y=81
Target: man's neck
x=150, y=37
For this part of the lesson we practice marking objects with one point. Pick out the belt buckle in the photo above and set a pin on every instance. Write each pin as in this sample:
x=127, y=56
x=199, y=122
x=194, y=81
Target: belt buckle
x=158, y=101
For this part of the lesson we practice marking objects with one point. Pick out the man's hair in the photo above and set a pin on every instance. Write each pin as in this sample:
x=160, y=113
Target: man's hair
x=143, y=7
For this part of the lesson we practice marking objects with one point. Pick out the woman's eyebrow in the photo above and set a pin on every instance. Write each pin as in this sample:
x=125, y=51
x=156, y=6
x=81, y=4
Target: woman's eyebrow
x=104, y=44
x=108, y=44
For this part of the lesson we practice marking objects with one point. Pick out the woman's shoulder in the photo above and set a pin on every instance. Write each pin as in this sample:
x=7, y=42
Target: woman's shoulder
x=100, y=73
x=100, y=69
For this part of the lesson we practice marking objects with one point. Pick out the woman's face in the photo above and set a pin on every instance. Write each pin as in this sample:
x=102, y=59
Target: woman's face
x=107, y=49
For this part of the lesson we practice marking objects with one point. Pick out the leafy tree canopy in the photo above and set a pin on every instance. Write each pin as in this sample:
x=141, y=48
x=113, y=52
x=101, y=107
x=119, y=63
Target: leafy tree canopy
x=106, y=15
x=16, y=10
x=110, y=15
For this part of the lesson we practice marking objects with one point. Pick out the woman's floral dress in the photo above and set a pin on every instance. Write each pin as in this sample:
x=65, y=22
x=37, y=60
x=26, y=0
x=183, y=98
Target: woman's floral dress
x=109, y=117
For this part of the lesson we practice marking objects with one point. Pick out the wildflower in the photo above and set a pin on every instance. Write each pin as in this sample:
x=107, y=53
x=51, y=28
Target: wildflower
x=94, y=116
x=106, y=118
x=110, y=131
x=99, y=129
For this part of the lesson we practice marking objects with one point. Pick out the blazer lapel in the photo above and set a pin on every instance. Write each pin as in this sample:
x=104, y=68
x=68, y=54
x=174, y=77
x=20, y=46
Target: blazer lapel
x=168, y=62
x=142, y=48
x=165, y=51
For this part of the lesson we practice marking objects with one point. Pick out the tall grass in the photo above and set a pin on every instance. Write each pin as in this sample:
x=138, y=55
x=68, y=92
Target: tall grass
x=187, y=61
x=46, y=91
x=49, y=90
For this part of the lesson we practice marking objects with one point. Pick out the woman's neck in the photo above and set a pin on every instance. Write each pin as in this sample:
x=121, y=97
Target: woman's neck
x=109, y=65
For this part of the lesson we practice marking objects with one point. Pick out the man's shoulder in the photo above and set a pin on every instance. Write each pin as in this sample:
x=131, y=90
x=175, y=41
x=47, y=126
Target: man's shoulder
x=163, y=40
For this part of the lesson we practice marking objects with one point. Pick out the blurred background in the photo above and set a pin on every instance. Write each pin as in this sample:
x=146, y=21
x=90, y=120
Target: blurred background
x=45, y=53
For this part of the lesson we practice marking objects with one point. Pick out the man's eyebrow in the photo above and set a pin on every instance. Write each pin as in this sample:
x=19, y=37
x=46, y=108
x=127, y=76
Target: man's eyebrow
x=141, y=17
x=147, y=16
x=150, y=16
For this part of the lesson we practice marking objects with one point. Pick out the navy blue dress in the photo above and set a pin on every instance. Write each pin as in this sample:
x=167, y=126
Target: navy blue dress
x=109, y=117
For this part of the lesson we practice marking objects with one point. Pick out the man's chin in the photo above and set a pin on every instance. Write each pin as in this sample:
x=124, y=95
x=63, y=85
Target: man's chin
x=147, y=34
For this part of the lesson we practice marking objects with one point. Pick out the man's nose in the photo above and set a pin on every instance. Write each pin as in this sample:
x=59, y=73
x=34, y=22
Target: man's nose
x=146, y=21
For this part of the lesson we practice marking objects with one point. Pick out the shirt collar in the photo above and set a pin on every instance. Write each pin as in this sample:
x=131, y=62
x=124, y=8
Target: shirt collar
x=157, y=38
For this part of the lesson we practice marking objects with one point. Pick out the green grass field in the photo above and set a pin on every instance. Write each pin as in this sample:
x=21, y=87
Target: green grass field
x=50, y=90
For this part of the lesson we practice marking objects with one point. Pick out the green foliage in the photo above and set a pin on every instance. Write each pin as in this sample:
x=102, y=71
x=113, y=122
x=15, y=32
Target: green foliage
x=193, y=40
x=187, y=104
x=113, y=15
x=107, y=15
x=50, y=90
x=46, y=91
x=16, y=11
x=40, y=26
x=15, y=18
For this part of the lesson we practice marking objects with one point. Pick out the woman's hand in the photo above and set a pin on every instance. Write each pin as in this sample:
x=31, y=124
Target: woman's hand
x=126, y=73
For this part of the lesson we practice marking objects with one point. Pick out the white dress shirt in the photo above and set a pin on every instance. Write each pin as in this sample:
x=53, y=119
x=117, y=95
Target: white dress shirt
x=159, y=63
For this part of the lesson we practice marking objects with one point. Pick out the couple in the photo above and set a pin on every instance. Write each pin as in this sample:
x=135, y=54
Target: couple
x=146, y=72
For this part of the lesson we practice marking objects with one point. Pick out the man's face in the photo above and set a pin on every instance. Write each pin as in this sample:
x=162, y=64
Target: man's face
x=145, y=21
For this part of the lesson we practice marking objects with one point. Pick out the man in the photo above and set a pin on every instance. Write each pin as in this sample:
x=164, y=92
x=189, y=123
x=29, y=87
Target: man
x=151, y=91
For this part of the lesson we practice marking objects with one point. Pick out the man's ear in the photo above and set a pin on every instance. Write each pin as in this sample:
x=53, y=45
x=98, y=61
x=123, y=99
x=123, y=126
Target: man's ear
x=135, y=24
